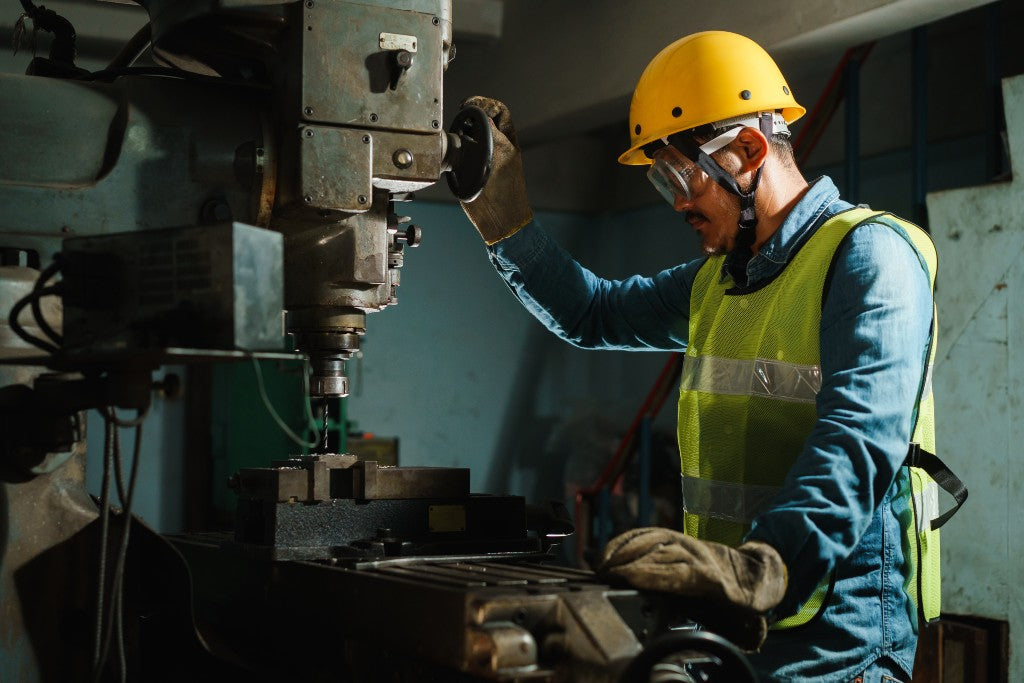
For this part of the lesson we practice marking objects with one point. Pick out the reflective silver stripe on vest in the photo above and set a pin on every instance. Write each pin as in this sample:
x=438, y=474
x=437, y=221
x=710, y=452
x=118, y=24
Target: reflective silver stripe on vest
x=926, y=505
x=760, y=377
x=725, y=500
x=928, y=373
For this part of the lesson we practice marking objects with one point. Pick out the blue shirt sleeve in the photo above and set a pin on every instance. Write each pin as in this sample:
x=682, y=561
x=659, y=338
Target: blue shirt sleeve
x=875, y=332
x=639, y=313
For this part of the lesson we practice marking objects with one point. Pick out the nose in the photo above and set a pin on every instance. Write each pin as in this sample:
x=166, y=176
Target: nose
x=682, y=202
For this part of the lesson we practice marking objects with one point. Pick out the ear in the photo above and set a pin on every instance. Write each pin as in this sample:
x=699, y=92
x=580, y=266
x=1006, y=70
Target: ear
x=751, y=147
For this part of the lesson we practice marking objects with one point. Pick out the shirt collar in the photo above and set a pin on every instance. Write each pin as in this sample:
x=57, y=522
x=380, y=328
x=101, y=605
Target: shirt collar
x=820, y=197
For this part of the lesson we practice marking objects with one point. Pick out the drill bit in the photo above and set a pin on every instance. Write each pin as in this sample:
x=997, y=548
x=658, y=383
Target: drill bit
x=325, y=407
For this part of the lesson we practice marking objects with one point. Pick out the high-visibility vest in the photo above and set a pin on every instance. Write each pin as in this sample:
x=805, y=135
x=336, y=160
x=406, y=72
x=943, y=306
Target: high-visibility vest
x=750, y=376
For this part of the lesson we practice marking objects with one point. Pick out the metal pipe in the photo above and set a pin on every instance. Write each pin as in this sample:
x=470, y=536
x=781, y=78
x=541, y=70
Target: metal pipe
x=851, y=79
x=603, y=519
x=993, y=94
x=919, y=122
x=643, y=508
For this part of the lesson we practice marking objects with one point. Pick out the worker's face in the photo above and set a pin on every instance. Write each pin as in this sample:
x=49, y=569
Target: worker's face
x=709, y=209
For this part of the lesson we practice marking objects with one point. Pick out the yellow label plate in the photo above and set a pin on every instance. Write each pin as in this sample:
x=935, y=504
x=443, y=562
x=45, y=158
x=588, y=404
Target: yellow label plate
x=447, y=518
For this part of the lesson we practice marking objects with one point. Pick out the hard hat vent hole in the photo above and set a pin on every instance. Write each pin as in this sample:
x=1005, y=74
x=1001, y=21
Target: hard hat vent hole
x=745, y=94
x=785, y=89
x=637, y=129
x=677, y=112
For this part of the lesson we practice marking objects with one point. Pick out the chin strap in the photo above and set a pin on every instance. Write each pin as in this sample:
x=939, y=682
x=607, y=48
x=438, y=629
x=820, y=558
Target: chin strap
x=742, y=252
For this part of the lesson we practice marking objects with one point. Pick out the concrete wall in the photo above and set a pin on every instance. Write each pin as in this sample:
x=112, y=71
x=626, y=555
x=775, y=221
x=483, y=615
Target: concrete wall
x=979, y=382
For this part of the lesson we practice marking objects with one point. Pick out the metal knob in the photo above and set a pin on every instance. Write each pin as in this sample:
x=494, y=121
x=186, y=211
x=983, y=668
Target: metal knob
x=412, y=236
x=403, y=158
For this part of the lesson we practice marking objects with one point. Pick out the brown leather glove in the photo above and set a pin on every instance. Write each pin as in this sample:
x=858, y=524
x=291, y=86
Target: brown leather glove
x=742, y=583
x=502, y=208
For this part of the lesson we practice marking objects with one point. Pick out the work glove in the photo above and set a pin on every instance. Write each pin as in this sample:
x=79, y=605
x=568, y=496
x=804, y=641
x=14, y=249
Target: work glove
x=732, y=589
x=502, y=208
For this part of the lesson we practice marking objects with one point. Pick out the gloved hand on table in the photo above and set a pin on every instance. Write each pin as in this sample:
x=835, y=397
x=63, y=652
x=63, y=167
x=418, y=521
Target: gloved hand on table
x=502, y=208
x=732, y=588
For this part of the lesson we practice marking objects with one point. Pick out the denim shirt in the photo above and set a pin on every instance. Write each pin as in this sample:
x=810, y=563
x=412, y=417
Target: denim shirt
x=841, y=505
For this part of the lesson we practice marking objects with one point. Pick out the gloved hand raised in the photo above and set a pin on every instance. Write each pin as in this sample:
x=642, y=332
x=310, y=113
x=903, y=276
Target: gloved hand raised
x=502, y=208
x=742, y=583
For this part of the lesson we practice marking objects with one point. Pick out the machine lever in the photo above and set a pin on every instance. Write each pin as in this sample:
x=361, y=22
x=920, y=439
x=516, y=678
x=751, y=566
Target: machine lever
x=470, y=153
x=401, y=61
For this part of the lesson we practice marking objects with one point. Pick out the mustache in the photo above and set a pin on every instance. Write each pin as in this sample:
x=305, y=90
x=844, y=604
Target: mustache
x=691, y=216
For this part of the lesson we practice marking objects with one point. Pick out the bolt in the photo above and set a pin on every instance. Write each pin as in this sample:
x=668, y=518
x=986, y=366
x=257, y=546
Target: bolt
x=259, y=151
x=373, y=117
x=435, y=124
x=361, y=199
x=308, y=111
x=170, y=386
x=366, y=139
x=435, y=21
x=308, y=199
x=309, y=4
x=403, y=158
x=215, y=211
x=308, y=132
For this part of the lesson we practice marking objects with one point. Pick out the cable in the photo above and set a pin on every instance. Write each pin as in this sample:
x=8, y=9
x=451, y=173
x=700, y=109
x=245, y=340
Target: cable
x=302, y=443
x=39, y=291
x=12, y=320
x=131, y=50
x=168, y=72
x=114, y=614
x=32, y=299
x=108, y=456
x=141, y=415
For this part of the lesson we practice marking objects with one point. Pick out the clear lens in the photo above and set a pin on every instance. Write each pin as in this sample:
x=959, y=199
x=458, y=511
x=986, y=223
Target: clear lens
x=668, y=181
x=672, y=174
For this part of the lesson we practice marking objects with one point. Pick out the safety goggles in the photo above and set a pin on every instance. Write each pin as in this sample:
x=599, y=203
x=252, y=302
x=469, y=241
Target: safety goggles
x=673, y=175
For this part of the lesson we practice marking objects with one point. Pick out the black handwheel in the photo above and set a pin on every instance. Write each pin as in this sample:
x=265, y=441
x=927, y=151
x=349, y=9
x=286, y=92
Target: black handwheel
x=697, y=656
x=471, y=160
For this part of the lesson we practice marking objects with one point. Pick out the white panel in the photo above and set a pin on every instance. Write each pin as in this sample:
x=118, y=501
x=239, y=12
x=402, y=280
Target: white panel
x=979, y=381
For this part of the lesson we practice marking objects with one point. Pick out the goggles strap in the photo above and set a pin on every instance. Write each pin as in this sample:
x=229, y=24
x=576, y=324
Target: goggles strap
x=741, y=254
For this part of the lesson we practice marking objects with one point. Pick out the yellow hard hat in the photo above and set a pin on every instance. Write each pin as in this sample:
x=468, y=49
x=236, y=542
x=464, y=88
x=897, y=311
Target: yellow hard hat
x=704, y=78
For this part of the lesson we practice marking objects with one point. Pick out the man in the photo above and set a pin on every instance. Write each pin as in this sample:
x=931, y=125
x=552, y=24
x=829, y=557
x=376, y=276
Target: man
x=808, y=332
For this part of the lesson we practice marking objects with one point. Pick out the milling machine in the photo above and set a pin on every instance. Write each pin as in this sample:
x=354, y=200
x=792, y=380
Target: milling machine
x=171, y=212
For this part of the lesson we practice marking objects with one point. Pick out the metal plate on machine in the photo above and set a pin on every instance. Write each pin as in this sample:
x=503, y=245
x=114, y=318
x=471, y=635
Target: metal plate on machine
x=444, y=518
x=336, y=168
x=367, y=481
x=396, y=41
x=348, y=78
x=201, y=287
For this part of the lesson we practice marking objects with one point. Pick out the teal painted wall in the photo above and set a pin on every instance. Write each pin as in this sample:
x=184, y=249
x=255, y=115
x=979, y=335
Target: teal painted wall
x=465, y=377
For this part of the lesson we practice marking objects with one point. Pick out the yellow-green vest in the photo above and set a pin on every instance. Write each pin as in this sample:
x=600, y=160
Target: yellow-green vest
x=747, y=401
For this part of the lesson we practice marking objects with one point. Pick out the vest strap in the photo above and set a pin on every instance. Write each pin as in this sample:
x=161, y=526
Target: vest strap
x=725, y=500
x=943, y=476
